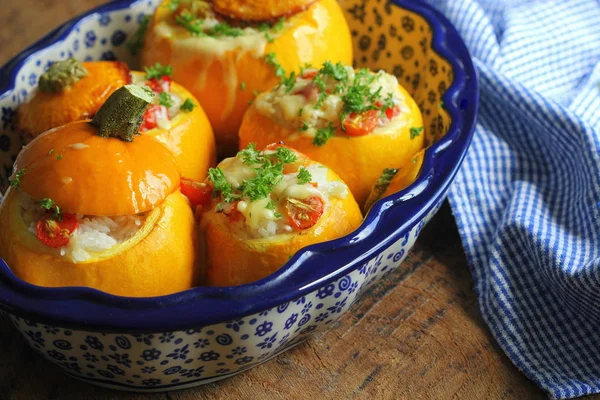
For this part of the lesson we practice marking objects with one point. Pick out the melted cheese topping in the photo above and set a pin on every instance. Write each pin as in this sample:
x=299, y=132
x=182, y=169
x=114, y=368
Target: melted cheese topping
x=228, y=50
x=267, y=216
x=295, y=109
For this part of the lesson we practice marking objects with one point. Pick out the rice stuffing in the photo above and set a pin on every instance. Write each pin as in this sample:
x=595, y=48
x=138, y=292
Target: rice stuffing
x=93, y=234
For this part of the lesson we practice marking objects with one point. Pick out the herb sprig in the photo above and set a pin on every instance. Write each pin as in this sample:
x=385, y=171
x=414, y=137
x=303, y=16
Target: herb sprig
x=188, y=105
x=16, y=180
x=415, y=131
x=49, y=204
x=165, y=99
x=196, y=27
x=268, y=169
x=158, y=71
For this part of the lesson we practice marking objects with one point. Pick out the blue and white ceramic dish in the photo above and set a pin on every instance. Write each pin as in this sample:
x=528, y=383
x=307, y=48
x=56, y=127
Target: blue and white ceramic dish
x=207, y=334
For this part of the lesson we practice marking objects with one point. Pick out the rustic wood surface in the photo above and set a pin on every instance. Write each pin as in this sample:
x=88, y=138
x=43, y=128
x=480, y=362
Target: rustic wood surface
x=417, y=335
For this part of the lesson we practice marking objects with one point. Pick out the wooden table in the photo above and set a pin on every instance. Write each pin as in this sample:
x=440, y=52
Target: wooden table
x=417, y=335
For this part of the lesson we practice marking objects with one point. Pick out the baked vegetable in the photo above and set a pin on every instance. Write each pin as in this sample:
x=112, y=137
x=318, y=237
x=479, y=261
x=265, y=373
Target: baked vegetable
x=70, y=91
x=73, y=91
x=393, y=180
x=103, y=212
x=176, y=119
x=267, y=205
x=225, y=52
x=355, y=122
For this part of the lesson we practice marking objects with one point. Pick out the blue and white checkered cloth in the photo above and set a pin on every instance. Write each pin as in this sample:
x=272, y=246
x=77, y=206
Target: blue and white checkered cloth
x=527, y=199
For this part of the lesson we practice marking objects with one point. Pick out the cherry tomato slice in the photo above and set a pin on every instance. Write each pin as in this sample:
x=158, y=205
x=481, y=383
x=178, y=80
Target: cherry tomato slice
x=302, y=214
x=391, y=112
x=361, y=124
x=199, y=193
x=159, y=85
x=55, y=233
x=151, y=116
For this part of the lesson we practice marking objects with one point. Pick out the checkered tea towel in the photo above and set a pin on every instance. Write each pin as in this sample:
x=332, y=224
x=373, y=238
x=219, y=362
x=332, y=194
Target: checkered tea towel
x=527, y=199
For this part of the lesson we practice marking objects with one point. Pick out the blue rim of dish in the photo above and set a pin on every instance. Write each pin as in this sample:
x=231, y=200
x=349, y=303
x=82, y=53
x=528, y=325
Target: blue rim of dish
x=317, y=265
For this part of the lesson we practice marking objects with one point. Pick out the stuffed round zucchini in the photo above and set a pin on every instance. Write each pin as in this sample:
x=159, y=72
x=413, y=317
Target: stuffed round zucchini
x=90, y=206
x=226, y=51
x=73, y=91
x=265, y=206
x=175, y=119
x=70, y=91
x=355, y=122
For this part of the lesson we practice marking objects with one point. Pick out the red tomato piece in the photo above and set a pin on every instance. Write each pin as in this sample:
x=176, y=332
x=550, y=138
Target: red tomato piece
x=165, y=84
x=391, y=112
x=55, y=233
x=151, y=116
x=310, y=73
x=159, y=85
x=302, y=214
x=199, y=193
x=361, y=124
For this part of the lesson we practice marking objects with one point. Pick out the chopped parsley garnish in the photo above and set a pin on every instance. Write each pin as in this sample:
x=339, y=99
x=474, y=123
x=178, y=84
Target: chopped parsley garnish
x=268, y=30
x=47, y=203
x=59, y=157
x=250, y=155
x=271, y=59
x=300, y=111
x=441, y=103
x=304, y=176
x=158, y=71
x=189, y=22
x=358, y=96
x=173, y=5
x=414, y=132
x=324, y=134
x=243, y=85
x=266, y=178
x=188, y=105
x=289, y=82
x=388, y=103
x=304, y=127
x=195, y=25
x=16, y=181
x=165, y=99
x=136, y=42
x=224, y=29
x=285, y=155
x=318, y=80
x=221, y=185
x=279, y=25
x=271, y=206
x=268, y=170
x=337, y=71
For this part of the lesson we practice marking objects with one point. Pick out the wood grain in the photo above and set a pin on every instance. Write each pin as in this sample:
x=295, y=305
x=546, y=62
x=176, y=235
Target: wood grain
x=417, y=335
